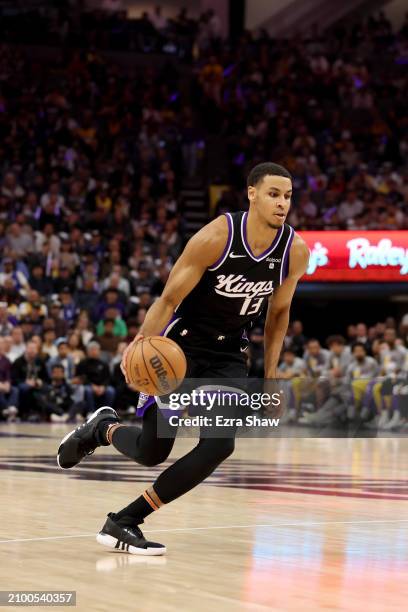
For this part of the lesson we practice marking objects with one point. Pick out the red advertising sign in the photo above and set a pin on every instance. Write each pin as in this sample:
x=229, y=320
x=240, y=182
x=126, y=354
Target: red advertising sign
x=374, y=256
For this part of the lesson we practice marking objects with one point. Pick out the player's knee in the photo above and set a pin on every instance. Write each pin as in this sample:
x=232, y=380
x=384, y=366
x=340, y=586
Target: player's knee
x=222, y=449
x=152, y=459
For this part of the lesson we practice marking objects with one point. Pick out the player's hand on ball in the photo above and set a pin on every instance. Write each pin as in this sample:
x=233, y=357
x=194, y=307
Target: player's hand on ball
x=125, y=356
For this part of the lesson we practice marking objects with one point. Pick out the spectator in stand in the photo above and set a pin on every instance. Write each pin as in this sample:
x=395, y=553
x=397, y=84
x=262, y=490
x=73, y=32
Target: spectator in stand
x=316, y=358
x=398, y=408
x=84, y=328
x=211, y=78
x=9, y=272
x=109, y=300
x=19, y=241
x=10, y=188
x=119, y=325
x=87, y=297
x=55, y=320
x=64, y=281
x=157, y=19
x=108, y=340
x=9, y=400
x=75, y=346
x=392, y=359
x=332, y=390
x=351, y=207
x=31, y=304
x=92, y=370
x=291, y=369
x=297, y=339
x=68, y=305
x=18, y=346
x=62, y=359
x=40, y=283
x=362, y=336
x=291, y=366
x=28, y=374
x=339, y=359
x=49, y=347
x=116, y=281
x=361, y=370
x=49, y=239
x=7, y=322
x=67, y=258
x=96, y=396
x=57, y=397
x=309, y=389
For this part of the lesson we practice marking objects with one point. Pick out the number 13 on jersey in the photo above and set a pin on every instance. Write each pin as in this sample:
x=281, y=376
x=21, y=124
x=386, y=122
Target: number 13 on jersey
x=251, y=305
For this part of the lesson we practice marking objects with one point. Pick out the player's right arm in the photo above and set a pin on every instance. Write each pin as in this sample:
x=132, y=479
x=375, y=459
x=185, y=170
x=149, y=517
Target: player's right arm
x=200, y=253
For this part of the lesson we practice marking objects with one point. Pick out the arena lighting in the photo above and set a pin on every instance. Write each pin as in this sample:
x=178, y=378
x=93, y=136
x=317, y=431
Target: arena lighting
x=367, y=256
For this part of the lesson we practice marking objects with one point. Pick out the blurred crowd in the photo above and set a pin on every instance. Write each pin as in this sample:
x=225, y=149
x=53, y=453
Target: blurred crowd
x=107, y=25
x=45, y=375
x=359, y=378
x=331, y=108
x=92, y=161
x=90, y=167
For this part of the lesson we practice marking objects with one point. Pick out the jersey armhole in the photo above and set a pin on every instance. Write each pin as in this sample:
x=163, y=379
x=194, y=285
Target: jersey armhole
x=226, y=250
x=284, y=271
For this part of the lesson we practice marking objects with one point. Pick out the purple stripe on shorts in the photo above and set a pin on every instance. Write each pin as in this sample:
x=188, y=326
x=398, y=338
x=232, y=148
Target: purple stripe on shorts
x=168, y=324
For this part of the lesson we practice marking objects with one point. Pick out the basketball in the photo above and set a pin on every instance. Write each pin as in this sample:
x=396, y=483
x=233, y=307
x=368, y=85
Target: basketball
x=156, y=365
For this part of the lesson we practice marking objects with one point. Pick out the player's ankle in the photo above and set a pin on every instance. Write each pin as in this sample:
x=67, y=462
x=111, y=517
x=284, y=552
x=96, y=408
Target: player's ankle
x=110, y=428
x=104, y=431
x=128, y=520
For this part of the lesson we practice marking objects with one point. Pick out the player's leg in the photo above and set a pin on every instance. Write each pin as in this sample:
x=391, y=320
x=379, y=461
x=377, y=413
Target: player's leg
x=191, y=469
x=103, y=428
x=121, y=529
x=83, y=440
x=141, y=444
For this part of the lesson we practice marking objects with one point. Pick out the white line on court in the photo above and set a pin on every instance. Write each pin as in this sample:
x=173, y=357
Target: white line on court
x=274, y=525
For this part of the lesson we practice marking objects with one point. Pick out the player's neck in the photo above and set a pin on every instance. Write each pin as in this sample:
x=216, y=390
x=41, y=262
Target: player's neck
x=259, y=234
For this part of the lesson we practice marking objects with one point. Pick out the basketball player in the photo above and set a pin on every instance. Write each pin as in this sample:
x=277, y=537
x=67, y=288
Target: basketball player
x=217, y=287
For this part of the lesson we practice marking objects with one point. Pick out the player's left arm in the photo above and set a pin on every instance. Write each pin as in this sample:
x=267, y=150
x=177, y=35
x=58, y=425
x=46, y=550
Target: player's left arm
x=277, y=318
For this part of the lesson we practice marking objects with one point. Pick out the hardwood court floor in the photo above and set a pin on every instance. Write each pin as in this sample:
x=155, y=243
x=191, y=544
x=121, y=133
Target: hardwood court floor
x=285, y=524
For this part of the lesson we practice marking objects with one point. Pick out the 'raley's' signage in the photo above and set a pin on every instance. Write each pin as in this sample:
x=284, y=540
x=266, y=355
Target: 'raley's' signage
x=372, y=256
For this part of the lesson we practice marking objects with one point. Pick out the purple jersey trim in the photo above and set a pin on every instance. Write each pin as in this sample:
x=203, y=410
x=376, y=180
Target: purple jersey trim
x=269, y=250
x=168, y=324
x=285, y=259
x=220, y=260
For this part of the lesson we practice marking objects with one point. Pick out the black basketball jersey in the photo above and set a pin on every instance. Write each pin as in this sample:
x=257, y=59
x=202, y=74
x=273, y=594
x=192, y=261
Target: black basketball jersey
x=233, y=291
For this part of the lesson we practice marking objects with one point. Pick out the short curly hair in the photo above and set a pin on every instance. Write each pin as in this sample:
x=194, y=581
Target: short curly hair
x=259, y=171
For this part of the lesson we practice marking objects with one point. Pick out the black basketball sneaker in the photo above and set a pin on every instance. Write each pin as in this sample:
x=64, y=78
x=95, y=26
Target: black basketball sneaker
x=84, y=439
x=128, y=539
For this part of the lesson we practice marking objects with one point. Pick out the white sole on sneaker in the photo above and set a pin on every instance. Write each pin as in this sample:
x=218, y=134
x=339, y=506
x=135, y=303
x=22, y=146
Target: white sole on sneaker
x=88, y=420
x=111, y=542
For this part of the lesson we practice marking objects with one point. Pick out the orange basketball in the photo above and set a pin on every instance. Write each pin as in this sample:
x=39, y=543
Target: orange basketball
x=156, y=365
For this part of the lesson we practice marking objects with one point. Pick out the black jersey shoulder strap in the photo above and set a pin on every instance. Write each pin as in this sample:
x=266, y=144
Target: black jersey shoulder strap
x=232, y=225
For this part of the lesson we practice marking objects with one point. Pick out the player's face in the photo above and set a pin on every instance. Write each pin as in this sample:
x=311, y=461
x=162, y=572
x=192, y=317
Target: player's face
x=271, y=196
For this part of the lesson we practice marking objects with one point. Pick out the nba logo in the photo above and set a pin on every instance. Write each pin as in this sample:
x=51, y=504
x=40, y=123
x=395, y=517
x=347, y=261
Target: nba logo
x=271, y=266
